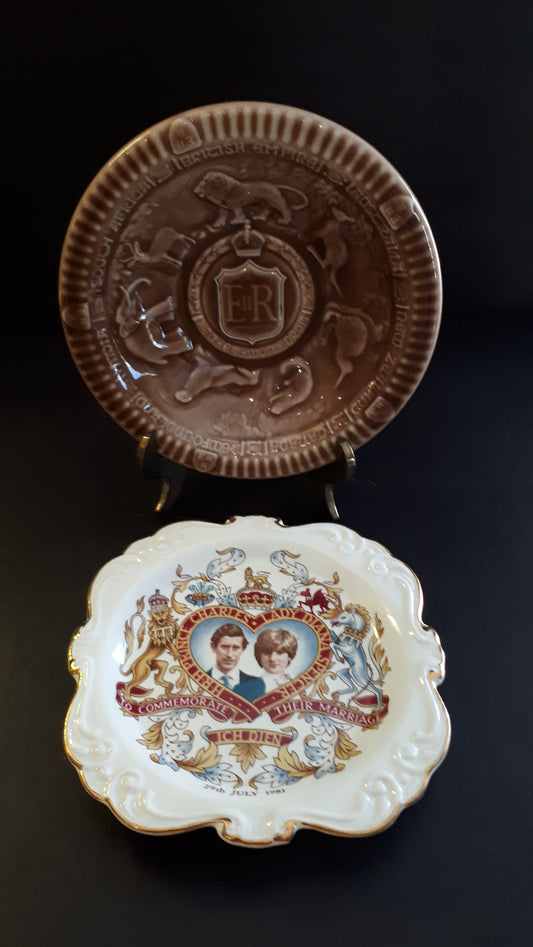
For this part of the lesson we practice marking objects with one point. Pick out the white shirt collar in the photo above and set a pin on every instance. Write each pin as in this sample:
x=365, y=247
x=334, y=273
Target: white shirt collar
x=233, y=678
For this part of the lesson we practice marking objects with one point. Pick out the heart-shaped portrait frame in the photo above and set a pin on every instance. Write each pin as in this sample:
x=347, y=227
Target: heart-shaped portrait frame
x=201, y=625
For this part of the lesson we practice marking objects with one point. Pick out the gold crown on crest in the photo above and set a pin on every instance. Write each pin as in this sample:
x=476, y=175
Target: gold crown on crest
x=157, y=600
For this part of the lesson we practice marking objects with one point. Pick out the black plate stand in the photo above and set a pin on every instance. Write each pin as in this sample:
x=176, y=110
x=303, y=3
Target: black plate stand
x=172, y=475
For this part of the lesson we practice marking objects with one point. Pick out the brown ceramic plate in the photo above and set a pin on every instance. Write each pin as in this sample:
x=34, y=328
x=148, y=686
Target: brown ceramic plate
x=250, y=282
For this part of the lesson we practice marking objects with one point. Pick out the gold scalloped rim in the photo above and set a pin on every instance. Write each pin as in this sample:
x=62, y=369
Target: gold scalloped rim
x=434, y=678
x=291, y=825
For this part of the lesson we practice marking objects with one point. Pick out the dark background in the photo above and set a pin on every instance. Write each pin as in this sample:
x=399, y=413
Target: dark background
x=444, y=90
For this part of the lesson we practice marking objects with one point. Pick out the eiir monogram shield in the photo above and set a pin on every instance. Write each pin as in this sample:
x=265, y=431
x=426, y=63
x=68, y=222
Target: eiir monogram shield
x=250, y=302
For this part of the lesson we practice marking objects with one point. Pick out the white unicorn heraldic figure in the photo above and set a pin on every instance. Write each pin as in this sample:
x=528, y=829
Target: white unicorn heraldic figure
x=348, y=647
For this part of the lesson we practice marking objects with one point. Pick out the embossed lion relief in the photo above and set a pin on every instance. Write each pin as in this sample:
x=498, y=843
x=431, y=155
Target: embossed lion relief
x=234, y=197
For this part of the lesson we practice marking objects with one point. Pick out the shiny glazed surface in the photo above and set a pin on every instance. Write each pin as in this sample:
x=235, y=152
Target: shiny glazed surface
x=180, y=718
x=250, y=282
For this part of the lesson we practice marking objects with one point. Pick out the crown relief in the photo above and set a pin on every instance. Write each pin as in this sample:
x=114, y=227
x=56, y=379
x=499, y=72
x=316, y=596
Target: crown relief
x=248, y=242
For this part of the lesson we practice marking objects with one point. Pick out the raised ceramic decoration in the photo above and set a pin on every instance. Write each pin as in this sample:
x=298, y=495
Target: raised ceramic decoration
x=258, y=679
x=250, y=282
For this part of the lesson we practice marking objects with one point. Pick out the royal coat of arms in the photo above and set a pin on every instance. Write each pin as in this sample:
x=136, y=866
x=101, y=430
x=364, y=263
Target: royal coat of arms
x=252, y=679
x=257, y=678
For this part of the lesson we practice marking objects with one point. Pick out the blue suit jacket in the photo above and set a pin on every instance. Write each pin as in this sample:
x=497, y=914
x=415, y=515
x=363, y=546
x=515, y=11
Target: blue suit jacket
x=248, y=687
